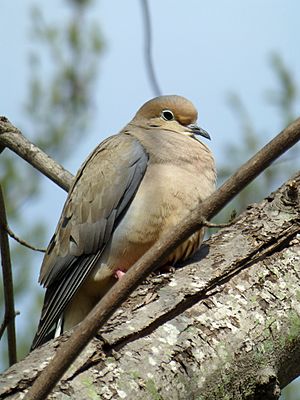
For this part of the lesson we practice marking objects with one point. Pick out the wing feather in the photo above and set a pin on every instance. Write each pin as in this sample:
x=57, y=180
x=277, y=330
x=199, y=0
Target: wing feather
x=102, y=190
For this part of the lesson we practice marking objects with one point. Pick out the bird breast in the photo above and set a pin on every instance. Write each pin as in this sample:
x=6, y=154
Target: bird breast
x=165, y=196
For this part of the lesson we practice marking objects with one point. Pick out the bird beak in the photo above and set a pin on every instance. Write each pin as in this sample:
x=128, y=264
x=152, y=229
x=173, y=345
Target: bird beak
x=196, y=130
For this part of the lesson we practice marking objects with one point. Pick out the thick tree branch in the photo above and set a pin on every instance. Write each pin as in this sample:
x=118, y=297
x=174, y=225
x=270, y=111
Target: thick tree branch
x=8, y=287
x=155, y=256
x=12, y=138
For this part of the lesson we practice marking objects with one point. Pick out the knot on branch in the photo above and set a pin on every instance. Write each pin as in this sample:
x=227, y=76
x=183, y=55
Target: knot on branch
x=268, y=386
x=291, y=193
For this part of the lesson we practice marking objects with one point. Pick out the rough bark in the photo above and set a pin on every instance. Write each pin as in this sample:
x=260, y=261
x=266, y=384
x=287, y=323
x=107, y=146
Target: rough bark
x=224, y=326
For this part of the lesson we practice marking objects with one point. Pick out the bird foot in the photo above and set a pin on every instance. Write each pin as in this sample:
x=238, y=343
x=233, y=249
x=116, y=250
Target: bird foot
x=119, y=274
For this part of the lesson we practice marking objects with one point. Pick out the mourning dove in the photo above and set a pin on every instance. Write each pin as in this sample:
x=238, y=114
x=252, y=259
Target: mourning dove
x=132, y=188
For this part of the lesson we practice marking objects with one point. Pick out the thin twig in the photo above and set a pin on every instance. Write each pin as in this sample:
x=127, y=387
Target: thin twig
x=148, y=49
x=5, y=323
x=212, y=225
x=232, y=220
x=12, y=138
x=85, y=331
x=8, y=286
x=23, y=242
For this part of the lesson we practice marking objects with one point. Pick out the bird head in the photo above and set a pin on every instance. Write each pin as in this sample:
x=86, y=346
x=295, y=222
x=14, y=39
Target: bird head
x=172, y=113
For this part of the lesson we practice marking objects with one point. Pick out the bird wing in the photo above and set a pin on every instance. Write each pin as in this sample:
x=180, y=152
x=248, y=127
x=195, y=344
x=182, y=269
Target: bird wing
x=100, y=194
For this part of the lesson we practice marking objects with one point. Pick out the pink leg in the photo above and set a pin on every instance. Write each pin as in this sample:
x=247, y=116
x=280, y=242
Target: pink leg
x=119, y=274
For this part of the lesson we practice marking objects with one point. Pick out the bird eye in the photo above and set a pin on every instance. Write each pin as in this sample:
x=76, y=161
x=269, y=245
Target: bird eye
x=167, y=115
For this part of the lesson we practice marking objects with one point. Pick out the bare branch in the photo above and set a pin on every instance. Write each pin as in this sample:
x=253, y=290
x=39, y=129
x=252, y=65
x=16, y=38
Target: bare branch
x=212, y=225
x=23, y=242
x=148, y=49
x=9, y=317
x=12, y=138
x=84, y=332
x=6, y=321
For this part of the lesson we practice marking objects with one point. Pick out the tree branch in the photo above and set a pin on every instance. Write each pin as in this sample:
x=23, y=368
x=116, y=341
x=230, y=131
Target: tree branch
x=9, y=316
x=4, y=324
x=155, y=257
x=23, y=242
x=12, y=138
x=148, y=49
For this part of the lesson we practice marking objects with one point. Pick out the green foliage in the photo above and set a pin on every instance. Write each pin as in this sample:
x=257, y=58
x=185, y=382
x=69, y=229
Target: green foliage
x=60, y=108
x=63, y=70
x=284, y=98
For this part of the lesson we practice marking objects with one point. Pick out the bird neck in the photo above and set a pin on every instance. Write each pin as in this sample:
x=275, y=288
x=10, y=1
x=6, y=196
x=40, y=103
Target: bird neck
x=165, y=146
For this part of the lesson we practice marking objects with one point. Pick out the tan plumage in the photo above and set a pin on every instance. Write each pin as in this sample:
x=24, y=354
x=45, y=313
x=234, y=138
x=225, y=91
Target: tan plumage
x=131, y=189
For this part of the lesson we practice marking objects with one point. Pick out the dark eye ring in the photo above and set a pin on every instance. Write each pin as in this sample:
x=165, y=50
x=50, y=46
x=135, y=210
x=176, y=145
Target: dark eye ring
x=167, y=115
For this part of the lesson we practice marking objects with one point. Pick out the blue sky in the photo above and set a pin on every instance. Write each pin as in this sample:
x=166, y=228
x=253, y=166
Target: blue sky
x=203, y=50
